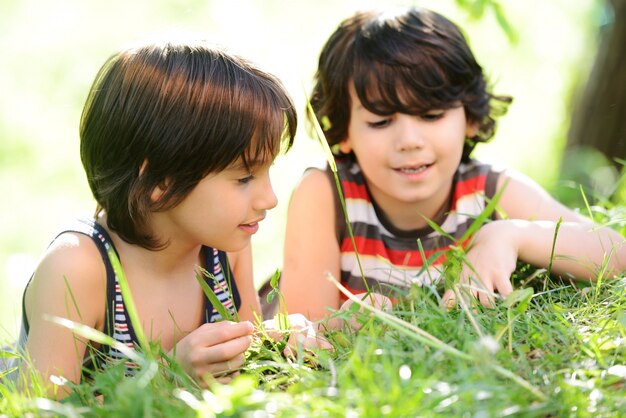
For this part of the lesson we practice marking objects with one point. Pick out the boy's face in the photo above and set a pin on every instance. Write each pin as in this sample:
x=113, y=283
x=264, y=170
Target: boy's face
x=408, y=161
x=223, y=210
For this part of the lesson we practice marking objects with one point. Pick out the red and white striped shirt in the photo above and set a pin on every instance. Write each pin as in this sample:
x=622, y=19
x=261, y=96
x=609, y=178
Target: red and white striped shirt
x=391, y=258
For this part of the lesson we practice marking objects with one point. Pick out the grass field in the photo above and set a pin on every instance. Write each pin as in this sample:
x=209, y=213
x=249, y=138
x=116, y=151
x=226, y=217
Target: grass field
x=556, y=352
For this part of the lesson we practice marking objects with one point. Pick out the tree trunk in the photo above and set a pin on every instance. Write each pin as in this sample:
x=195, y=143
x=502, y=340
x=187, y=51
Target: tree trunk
x=599, y=117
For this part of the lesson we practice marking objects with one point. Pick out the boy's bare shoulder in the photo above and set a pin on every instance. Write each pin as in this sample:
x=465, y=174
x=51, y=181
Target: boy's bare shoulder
x=314, y=179
x=70, y=272
x=75, y=253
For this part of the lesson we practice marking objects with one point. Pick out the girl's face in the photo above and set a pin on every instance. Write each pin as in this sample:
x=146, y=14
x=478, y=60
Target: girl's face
x=408, y=161
x=224, y=210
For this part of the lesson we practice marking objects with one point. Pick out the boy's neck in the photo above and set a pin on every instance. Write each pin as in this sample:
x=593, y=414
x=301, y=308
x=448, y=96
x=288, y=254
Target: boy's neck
x=171, y=261
x=410, y=216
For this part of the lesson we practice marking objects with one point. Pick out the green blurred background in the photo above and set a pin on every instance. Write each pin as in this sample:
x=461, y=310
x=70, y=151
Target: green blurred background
x=51, y=50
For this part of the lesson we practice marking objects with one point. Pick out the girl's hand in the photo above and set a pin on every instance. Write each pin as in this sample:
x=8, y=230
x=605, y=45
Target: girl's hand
x=376, y=300
x=302, y=334
x=488, y=266
x=215, y=350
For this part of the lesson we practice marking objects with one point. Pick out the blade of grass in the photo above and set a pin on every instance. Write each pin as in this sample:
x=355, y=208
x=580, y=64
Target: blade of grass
x=584, y=196
x=485, y=214
x=219, y=306
x=331, y=162
x=95, y=335
x=69, y=290
x=556, y=232
x=319, y=133
x=226, y=273
x=128, y=301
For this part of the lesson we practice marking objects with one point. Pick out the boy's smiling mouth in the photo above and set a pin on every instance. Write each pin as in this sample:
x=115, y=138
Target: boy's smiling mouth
x=417, y=169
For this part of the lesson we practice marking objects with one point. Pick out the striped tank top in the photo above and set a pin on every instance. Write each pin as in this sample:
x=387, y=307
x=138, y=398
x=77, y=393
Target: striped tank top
x=117, y=322
x=390, y=258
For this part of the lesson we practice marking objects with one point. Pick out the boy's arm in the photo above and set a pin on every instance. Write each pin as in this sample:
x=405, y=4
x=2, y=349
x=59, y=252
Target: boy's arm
x=70, y=282
x=580, y=250
x=311, y=248
x=581, y=246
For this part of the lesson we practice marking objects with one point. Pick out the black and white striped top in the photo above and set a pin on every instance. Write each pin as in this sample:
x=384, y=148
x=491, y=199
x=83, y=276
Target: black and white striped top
x=117, y=322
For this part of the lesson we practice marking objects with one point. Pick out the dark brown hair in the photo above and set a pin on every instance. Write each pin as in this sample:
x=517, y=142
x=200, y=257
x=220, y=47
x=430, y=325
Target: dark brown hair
x=169, y=114
x=410, y=62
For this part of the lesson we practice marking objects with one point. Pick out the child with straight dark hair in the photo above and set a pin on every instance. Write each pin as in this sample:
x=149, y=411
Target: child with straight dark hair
x=177, y=140
x=403, y=102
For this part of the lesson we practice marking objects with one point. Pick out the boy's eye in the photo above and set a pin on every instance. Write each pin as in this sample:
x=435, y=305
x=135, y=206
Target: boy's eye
x=432, y=116
x=379, y=124
x=246, y=180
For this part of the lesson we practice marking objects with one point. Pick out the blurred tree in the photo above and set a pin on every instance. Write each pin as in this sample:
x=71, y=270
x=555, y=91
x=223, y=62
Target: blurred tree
x=599, y=114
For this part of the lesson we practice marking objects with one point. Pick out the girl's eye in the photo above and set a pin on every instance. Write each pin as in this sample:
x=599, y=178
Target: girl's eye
x=246, y=180
x=432, y=116
x=379, y=124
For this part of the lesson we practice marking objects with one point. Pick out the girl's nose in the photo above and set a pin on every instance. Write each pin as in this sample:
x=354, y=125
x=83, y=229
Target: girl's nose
x=410, y=135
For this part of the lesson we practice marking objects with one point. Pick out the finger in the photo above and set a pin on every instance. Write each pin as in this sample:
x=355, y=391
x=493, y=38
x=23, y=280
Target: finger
x=461, y=294
x=221, y=353
x=313, y=341
x=449, y=299
x=309, y=340
x=504, y=285
x=457, y=294
x=217, y=333
x=381, y=301
x=227, y=367
x=465, y=289
x=482, y=289
x=206, y=372
x=226, y=378
x=324, y=344
x=485, y=297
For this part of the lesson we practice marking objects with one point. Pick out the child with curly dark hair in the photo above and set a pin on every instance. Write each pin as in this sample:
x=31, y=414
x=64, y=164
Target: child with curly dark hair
x=402, y=102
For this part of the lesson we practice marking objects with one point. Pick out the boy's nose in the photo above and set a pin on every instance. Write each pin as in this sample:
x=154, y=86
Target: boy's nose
x=409, y=133
x=267, y=198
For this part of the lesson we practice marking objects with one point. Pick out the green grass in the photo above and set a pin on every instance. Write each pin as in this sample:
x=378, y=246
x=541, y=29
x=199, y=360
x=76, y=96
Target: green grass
x=566, y=343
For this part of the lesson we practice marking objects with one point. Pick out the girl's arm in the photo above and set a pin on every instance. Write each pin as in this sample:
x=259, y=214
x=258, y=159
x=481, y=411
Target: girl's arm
x=581, y=248
x=311, y=248
x=69, y=282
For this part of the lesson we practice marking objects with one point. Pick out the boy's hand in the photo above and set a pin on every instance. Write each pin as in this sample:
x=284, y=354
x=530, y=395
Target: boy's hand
x=376, y=300
x=215, y=350
x=302, y=333
x=488, y=266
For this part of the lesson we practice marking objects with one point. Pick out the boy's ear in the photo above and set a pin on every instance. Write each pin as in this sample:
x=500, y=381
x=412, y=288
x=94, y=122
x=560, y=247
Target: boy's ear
x=471, y=129
x=159, y=190
x=345, y=146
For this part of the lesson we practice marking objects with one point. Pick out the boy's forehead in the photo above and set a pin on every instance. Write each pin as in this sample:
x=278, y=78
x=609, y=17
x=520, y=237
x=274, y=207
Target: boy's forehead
x=381, y=97
x=374, y=95
x=241, y=164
